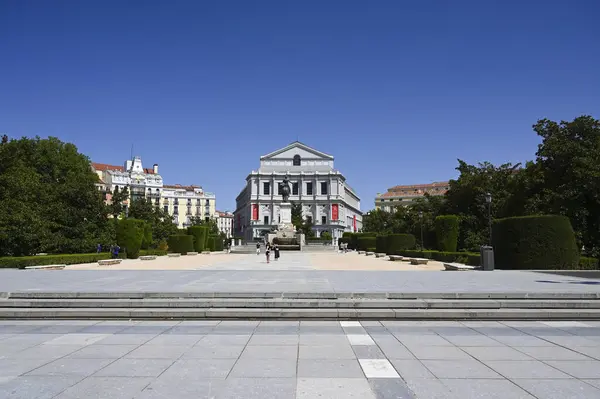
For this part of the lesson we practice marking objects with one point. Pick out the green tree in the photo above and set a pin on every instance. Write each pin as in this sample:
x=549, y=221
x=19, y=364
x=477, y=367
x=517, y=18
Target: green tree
x=569, y=160
x=118, y=197
x=49, y=201
x=160, y=222
x=297, y=219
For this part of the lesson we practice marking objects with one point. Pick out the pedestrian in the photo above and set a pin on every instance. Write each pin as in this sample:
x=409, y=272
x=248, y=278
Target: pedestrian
x=116, y=249
x=276, y=250
x=229, y=246
x=98, y=248
x=258, y=248
x=268, y=252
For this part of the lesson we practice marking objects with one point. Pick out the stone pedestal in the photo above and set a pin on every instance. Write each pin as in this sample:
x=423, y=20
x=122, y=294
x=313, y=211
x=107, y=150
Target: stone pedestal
x=285, y=229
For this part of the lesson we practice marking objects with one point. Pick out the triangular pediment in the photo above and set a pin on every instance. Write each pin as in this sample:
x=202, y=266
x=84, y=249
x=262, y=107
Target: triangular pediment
x=297, y=148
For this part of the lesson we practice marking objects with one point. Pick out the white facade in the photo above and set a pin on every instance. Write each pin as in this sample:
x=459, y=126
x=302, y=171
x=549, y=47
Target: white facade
x=181, y=202
x=225, y=223
x=322, y=191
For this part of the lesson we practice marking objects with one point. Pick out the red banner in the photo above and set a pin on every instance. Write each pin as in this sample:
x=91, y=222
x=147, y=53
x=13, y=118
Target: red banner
x=354, y=223
x=334, y=211
x=254, y=211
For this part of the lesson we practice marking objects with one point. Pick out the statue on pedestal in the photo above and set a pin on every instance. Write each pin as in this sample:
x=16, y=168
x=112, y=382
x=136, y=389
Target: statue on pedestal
x=285, y=188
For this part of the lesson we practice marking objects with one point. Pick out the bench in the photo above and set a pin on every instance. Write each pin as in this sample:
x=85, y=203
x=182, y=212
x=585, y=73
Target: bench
x=108, y=262
x=418, y=261
x=148, y=257
x=361, y=252
x=173, y=255
x=46, y=267
x=380, y=255
x=369, y=253
x=205, y=252
x=192, y=253
x=459, y=267
x=396, y=257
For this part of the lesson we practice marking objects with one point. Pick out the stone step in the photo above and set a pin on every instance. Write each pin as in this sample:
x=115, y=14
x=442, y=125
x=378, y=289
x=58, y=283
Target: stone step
x=303, y=303
x=315, y=314
x=298, y=295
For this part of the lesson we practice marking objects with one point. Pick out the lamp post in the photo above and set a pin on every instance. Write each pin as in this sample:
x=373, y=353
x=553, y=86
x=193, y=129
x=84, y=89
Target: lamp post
x=488, y=199
x=421, y=220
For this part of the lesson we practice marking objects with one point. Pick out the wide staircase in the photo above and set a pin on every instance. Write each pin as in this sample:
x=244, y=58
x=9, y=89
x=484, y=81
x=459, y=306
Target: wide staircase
x=286, y=305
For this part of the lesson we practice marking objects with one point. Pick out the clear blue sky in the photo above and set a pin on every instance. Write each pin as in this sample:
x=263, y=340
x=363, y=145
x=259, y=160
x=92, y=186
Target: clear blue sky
x=395, y=90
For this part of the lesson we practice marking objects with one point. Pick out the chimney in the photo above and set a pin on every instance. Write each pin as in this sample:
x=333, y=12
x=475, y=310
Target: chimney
x=155, y=168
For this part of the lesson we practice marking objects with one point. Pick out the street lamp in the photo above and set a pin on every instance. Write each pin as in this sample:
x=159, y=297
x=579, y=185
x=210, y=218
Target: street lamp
x=421, y=219
x=488, y=199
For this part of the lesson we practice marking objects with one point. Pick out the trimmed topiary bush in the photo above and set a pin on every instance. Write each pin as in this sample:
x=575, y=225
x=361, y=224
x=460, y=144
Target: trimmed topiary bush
x=200, y=234
x=364, y=243
x=446, y=232
x=399, y=242
x=211, y=244
x=130, y=234
x=181, y=243
x=535, y=242
x=381, y=243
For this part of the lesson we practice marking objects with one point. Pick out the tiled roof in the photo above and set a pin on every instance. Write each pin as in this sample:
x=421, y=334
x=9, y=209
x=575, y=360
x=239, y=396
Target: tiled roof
x=104, y=167
x=415, y=190
x=413, y=186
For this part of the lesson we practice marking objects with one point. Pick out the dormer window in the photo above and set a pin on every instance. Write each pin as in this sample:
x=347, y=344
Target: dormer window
x=297, y=160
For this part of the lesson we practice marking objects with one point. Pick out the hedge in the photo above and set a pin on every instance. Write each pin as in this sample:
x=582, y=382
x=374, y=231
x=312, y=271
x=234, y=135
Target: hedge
x=364, y=243
x=535, y=242
x=218, y=246
x=147, y=237
x=130, y=234
x=200, y=234
x=344, y=240
x=181, y=243
x=381, y=243
x=586, y=263
x=446, y=232
x=21, y=262
x=399, y=242
x=467, y=258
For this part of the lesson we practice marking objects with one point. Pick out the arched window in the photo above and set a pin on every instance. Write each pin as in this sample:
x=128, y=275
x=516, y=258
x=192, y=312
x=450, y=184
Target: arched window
x=297, y=160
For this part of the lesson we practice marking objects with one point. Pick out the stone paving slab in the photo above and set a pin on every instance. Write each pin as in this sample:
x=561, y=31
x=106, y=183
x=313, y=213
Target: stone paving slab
x=299, y=359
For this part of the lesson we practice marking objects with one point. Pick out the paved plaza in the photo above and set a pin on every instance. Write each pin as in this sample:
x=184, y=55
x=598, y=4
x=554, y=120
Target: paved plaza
x=302, y=360
x=294, y=272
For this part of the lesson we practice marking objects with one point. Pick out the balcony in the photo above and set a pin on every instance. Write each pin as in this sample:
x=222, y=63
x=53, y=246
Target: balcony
x=152, y=194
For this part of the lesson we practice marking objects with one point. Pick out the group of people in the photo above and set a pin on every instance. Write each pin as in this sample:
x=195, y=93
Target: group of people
x=114, y=250
x=268, y=249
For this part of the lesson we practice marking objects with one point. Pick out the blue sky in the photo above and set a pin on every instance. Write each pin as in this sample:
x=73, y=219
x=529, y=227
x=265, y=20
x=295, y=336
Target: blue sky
x=395, y=90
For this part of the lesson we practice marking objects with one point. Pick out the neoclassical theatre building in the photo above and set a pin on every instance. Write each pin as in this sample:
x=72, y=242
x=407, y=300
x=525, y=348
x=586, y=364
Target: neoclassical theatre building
x=326, y=198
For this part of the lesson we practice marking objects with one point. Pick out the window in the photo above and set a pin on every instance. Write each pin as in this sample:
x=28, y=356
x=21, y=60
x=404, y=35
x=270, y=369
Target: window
x=309, y=219
x=266, y=220
x=266, y=188
x=323, y=219
x=206, y=219
x=175, y=210
x=324, y=188
x=207, y=202
x=295, y=188
x=297, y=160
x=309, y=188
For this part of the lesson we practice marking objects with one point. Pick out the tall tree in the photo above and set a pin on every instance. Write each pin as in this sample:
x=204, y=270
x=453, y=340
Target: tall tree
x=569, y=157
x=48, y=198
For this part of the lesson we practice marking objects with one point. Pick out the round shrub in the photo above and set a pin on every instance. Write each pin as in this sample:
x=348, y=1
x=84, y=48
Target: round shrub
x=400, y=242
x=446, y=232
x=535, y=242
x=381, y=243
x=364, y=243
x=181, y=243
x=130, y=234
x=200, y=234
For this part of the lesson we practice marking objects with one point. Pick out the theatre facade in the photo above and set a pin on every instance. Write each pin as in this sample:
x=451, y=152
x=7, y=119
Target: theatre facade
x=325, y=196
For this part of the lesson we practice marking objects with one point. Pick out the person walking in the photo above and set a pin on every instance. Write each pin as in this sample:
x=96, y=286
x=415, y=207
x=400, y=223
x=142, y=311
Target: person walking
x=98, y=248
x=116, y=249
x=268, y=252
x=258, y=248
x=276, y=251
